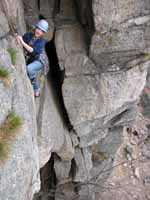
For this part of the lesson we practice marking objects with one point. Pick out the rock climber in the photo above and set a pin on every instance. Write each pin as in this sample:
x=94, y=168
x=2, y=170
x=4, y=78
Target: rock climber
x=34, y=45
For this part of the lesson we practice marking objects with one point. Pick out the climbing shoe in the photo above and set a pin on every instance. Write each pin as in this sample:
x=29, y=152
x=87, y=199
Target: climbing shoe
x=37, y=93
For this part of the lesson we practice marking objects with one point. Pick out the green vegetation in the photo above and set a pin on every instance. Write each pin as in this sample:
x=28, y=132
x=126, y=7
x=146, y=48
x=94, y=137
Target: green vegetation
x=8, y=131
x=147, y=56
x=13, y=55
x=4, y=73
x=11, y=125
x=4, y=150
x=5, y=76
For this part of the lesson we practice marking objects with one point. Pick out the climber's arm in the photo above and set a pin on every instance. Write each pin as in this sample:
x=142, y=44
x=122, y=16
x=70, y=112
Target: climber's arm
x=24, y=44
x=27, y=47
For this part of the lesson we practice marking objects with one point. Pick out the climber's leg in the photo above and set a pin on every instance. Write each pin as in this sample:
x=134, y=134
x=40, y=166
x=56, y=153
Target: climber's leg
x=32, y=70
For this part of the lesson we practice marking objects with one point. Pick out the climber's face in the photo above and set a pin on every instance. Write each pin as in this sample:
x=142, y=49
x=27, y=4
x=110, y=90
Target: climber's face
x=38, y=33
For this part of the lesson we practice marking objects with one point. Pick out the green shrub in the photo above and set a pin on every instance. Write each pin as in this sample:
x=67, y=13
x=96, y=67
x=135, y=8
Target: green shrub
x=4, y=150
x=4, y=73
x=11, y=125
x=147, y=56
x=5, y=76
x=13, y=55
x=8, y=131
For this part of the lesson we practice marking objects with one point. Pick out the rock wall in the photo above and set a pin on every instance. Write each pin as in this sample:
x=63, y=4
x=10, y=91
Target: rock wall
x=88, y=115
x=20, y=172
x=103, y=82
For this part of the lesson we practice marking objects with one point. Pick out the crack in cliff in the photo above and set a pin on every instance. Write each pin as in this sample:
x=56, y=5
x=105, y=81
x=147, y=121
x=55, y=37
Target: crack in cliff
x=48, y=181
x=56, y=9
x=56, y=78
x=38, y=4
x=40, y=111
x=55, y=75
x=85, y=15
x=117, y=70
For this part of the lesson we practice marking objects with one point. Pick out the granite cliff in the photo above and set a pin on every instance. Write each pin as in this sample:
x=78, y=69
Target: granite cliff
x=87, y=136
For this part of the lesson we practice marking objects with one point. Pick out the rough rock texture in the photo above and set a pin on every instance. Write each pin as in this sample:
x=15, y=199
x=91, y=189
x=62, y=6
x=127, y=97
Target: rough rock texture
x=86, y=132
x=32, y=12
x=43, y=130
x=52, y=133
x=21, y=170
x=105, y=76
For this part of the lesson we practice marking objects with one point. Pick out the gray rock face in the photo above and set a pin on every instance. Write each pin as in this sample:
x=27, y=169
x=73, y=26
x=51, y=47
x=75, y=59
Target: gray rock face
x=62, y=169
x=93, y=99
x=39, y=136
x=12, y=15
x=103, y=48
x=91, y=90
x=121, y=32
x=52, y=134
x=23, y=159
x=32, y=12
x=101, y=90
x=21, y=170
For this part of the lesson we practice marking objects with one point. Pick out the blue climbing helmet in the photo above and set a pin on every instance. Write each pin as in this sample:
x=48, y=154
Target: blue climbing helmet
x=43, y=25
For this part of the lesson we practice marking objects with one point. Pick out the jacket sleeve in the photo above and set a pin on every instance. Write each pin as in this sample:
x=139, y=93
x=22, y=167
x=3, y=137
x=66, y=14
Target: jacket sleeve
x=27, y=37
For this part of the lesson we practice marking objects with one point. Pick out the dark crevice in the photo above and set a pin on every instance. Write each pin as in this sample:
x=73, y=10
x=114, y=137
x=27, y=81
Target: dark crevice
x=38, y=4
x=84, y=14
x=119, y=116
x=42, y=17
x=48, y=181
x=73, y=169
x=56, y=78
x=56, y=8
x=39, y=8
